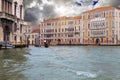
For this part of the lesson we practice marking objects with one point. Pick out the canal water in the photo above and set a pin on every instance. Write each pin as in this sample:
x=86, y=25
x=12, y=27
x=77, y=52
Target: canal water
x=61, y=63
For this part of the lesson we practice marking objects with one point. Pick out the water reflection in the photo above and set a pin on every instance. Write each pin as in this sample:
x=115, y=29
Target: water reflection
x=10, y=60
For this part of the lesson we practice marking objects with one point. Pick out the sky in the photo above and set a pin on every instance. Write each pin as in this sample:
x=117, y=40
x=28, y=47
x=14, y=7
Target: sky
x=37, y=10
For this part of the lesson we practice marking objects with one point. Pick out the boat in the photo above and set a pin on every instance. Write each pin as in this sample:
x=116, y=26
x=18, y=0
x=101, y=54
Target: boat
x=46, y=45
x=6, y=44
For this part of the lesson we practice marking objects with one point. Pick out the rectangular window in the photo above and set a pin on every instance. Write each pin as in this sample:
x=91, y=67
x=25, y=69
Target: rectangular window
x=97, y=14
x=113, y=13
x=88, y=34
x=70, y=35
x=113, y=32
x=52, y=24
x=62, y=30
x=88, y=25
x=70, y=22
x=113, y=23
x=106, y=14
x=48, y=24
x=20, y=28
x=107, y=32
x=88, y=16
x=106, y=23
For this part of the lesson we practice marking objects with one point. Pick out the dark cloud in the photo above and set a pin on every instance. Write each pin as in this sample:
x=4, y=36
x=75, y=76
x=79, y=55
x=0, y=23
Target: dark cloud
x=27, y=2
x=48, y=11
x=45, y=10
x=35, y=14
x=115, y=2
x=32, y=14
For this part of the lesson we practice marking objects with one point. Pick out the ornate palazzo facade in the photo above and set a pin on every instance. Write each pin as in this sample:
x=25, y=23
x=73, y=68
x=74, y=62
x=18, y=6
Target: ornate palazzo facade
x=101, y=25
x=11, y=20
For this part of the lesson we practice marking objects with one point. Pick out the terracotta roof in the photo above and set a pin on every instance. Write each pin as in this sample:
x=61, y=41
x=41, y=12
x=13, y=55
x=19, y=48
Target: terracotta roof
x=100, y=9
x=63, y=18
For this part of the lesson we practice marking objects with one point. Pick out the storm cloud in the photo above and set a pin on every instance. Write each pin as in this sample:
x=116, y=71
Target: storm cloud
x=115, y=2
x=37, y=10
x=32, y=14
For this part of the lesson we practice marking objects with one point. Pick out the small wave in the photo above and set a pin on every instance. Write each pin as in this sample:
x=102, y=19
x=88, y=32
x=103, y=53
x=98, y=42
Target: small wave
x=82, y=73
x=87, y=74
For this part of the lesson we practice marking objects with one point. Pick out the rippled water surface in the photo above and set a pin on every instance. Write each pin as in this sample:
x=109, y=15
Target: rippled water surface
x=61, y=63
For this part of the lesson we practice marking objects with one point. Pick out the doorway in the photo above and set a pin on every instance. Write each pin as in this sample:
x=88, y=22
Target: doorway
x=97, y=41
x=6, y=31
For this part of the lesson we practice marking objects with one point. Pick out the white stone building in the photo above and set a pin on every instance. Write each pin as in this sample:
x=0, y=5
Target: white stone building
x=11, y=20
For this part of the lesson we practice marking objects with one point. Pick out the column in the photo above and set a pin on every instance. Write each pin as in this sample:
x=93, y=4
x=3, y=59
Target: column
x=9, y=7
x=5, y=6
x=1, y=31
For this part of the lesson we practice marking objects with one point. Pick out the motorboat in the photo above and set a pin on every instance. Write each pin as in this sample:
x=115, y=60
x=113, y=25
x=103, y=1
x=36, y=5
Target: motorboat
x=7, y=44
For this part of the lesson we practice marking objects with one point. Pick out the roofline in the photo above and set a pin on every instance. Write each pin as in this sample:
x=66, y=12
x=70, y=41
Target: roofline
x=101, y=8
x=63, y=18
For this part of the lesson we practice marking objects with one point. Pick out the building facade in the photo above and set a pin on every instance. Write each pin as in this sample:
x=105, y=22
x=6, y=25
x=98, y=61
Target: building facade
x=62, y=30
x=11, y=21
x=31, y=32
x=33, y=36
x=101, y=26
x=96, y=26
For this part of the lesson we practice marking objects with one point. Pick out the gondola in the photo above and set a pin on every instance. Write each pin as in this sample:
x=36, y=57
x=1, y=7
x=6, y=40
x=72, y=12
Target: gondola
x=46, y=45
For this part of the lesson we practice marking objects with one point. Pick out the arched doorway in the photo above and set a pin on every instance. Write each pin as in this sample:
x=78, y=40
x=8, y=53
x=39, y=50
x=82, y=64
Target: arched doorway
x=59, y=41
x=70, y=42
x=97, y=41
x=6, y=31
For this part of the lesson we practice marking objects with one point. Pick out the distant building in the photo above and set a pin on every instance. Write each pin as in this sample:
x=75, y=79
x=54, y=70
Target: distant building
x=34, y=37
x=11, y=20
x=31, y=32
x=62, y=30
x=97, y=26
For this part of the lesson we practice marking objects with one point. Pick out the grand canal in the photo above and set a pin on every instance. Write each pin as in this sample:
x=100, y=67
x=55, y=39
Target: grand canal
x=61, y=63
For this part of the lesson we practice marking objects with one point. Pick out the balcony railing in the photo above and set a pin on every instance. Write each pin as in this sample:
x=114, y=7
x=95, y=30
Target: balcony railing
x=7, y=16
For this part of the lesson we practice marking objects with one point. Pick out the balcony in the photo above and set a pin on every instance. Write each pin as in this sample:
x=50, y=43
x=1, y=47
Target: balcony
x=7, y=16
